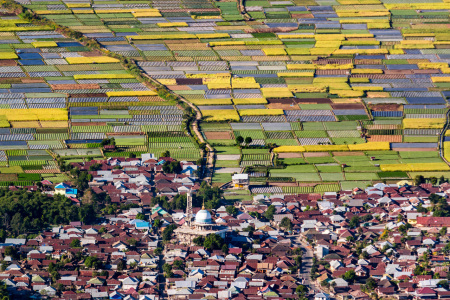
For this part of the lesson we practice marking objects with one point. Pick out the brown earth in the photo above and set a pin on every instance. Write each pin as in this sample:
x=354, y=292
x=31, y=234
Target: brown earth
x=7, y=63
x=91, y=53
x=316, y=154
x=32, y=80
x=386, y=107
x=347, y=106
x=290, y=155
x=218, y=135
x=8, y=177
x=87, y=95
x=283, y=106
x=385, y=138
x=178, y=87
x=348, y=153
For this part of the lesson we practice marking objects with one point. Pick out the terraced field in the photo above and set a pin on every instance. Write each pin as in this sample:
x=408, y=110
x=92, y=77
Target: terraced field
x=59, y=98
x=346, y=92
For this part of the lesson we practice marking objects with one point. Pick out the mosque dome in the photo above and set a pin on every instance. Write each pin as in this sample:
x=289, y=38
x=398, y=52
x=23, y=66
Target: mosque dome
x=203, y=217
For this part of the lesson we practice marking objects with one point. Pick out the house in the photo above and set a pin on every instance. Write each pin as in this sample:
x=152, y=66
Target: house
x=66, y=190
x=321, y=296
x=240, y=180
x=433, y=221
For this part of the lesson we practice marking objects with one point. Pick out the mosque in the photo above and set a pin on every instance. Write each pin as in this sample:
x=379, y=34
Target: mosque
x=203, y=225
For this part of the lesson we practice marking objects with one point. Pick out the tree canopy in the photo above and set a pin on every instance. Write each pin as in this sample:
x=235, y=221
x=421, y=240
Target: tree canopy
x=23, y=211
x=271, y=210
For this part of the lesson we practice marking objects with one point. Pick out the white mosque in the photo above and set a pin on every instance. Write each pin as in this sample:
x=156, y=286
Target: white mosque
x=203, y=225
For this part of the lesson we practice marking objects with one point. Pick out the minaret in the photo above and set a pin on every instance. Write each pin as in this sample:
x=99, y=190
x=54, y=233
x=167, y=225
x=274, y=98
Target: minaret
x=189, y=209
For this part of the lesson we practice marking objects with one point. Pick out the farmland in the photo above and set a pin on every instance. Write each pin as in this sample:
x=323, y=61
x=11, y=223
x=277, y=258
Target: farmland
x=60, y=99
x=334, y=92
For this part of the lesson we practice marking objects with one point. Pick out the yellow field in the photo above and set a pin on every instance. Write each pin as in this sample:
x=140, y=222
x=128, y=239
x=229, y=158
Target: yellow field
x=91, y=60
x=249, y=101
x=423, y=123
x=54, y=124
x=211, y=101
x=416, y=167
x=221, y=115
x=371, y=146
x=35, y=114
x=260, y=112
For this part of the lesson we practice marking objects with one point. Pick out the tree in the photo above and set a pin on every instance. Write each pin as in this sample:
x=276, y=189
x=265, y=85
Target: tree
x=167, y=270
x=172, y=167
x=443, y=284
x=349, y=276
x=270, y=212
x=11, y=251
x=92, y=262
x=231, y=210
x=140, y=216
x=199, y=240
x=419, y=270
x=121, y=265
x=365, y=255
x=168, y=231
x=286, y=223
x=75, y=243
x=239, y=140
x=403, y=229
x=211, y=196
x=158, y=251
x=16, y=223
x=248, y=140
x=433, y=180
x=419, y=179
x=87, y=214
x=301, y=290
x=157, y=223
x=354, y=222
x=371, y=284
x=178, y=264
x=165, y=153
x=440, y=207
x=3, y=291
x=225, y=248
x=132, y=242
x=213, y=242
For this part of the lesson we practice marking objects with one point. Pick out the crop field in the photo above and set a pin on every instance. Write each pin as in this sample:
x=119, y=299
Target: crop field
x=368, y=78
x=58, y=95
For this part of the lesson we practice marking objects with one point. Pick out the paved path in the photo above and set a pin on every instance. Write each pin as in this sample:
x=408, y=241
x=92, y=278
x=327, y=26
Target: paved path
x=442, y=137
x=161, y=279
x=307, y=262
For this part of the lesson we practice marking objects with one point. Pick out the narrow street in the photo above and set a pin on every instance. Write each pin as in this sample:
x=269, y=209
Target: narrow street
x=162, y=279
x=307, y=262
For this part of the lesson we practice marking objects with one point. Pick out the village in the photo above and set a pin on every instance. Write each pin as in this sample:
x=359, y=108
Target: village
x=160, y=237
